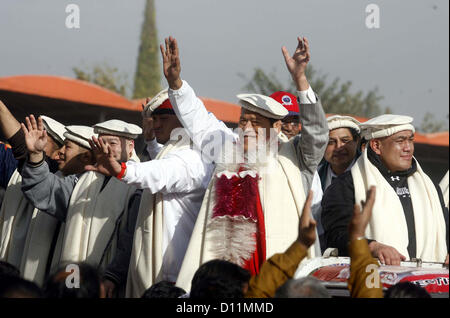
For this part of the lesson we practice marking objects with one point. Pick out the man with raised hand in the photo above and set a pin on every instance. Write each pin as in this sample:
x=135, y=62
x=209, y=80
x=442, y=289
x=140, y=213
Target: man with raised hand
x=26, y=234
x=91, y=206
x=253, y=204
x=174, y=183
x=409, y=219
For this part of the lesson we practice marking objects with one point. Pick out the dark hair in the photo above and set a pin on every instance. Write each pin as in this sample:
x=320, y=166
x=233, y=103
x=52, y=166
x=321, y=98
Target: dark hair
x=355, y=133
x=8, y=269
x=88, y=287
x=16, y=287
x=217, y=287
x=214, y=274
x=163, y=289
x=406, y=290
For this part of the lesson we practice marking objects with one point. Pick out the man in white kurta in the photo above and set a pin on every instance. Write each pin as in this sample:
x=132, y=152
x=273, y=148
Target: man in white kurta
x=275, y=185
x=174, y=183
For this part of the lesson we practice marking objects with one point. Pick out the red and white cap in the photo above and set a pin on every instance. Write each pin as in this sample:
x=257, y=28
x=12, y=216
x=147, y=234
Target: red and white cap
x=288, y=100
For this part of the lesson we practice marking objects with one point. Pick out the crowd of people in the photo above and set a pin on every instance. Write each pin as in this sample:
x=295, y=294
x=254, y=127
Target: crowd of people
x=215, y=212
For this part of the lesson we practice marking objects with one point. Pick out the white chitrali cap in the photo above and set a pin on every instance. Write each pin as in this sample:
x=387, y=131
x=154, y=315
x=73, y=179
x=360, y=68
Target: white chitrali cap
x=54, y=128
x=264, y=105
x=386, y=125
x=80, y=135
x=155, y=102
x=119, y=128
x=338, y=121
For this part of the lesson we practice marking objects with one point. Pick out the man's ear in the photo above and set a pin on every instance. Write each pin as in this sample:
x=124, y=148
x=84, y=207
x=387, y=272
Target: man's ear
x=375, y=144
x=277, y=125
x=131, y=143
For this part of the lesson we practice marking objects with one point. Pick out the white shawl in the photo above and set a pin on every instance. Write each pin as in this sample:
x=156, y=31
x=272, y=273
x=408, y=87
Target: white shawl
x=92, y=222
x=282, y=199
x=388, y=223
x=147, y=253
x=15, y=216
x=27, y=233
x=444, y=187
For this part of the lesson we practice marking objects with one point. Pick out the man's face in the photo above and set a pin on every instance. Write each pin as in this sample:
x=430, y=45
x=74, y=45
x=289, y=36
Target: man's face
x=121, y=147
x=51, y=148
x=395, y=151
x=290, y=126
x=163, y=125
x=341, y=149
x=249, y=122
x=70, y=158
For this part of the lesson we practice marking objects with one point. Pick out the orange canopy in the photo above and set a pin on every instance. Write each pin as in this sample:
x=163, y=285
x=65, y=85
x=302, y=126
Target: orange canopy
x=73, y=90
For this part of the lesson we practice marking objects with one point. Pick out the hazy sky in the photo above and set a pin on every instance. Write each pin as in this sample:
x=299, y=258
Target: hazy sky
x=407, y=58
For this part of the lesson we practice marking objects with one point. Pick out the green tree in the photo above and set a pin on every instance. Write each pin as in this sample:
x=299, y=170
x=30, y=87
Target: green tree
x=431, y=125
x=336, y=97
x=104, y=75
x=147, y=78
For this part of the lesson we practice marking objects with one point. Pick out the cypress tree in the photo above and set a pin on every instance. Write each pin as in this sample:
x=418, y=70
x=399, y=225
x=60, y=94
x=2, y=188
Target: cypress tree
x=147, y=77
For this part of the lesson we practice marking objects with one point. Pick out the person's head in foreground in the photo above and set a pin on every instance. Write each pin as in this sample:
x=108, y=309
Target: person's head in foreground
x=163, y=289
x=406, y=290
x=16, y=287
x=219, y=279
x=305, y=287
x=78, y=280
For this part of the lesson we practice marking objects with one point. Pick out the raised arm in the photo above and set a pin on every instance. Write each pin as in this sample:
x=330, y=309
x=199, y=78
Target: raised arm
x=190, y=110
x=281, y=267
x=8, y=123
x=314, y=137
x=45, y=190
x=181, y=171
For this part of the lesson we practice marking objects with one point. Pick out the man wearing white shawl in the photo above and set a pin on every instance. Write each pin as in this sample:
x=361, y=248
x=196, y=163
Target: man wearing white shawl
x=409, y=219
x=444, y=187
x=254, y=201
x=26, y=233
x=174, y=184
x=91, y=205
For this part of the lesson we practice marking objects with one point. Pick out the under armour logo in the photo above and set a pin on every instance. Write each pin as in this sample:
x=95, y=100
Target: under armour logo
x=395, y=178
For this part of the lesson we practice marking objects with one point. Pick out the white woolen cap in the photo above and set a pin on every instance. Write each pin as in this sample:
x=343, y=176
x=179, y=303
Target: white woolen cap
x=54, y=128
x=80, y=135
x=119, y=128
x=338, y=121
x=263, y=105
x=385, y=125
x=155, y=102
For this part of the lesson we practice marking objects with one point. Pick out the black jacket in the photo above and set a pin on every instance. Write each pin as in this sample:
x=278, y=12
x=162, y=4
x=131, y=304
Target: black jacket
x=339, y=199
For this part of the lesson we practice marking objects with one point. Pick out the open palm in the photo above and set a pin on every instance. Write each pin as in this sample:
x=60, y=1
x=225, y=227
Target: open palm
x=35, y=135
x=297, y=63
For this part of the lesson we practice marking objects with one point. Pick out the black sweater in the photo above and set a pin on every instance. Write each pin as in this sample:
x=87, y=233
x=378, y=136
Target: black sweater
x=339, y=199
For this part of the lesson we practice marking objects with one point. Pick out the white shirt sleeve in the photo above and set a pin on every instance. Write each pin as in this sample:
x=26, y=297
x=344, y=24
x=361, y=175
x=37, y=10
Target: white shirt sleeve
x=203, y=127
x=182, y=171
x=153, y=148
x=307, y=97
